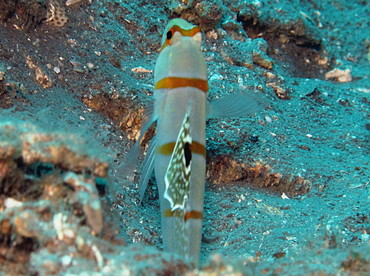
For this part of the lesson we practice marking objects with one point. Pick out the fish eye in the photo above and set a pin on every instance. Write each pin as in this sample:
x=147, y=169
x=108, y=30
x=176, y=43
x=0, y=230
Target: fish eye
x=169, y=35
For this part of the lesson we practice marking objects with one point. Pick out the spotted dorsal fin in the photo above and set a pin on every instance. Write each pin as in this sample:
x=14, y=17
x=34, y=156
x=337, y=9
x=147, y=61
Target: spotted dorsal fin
x=177, y=178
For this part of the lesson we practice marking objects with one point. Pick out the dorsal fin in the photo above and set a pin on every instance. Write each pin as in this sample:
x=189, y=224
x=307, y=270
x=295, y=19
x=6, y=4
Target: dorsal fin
x=177, y=178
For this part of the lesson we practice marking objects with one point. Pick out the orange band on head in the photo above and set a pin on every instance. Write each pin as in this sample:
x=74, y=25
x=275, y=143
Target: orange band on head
x=167, y=149
x=183, y=32
x=191, y=32
x=176, y=82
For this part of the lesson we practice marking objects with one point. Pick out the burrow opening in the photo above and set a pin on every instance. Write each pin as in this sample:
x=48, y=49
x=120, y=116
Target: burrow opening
x=298, y=55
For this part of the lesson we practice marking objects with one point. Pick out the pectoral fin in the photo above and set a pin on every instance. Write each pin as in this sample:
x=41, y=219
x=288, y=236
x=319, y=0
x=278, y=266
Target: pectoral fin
x=130, y=162
x=147, y=168
x=235, y=106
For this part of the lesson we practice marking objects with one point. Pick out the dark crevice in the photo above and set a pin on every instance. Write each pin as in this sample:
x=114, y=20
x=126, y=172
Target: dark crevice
x=297, y=53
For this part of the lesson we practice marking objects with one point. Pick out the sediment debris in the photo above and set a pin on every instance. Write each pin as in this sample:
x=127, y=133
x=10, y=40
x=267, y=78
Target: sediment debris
x=207, y=14
x=224, y=169
x=40, y=77
x=121, y=110
x=339, y=75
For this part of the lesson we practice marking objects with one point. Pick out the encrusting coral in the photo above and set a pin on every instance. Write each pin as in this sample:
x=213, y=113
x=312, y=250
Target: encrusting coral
x=48, y=186
x=28, y=14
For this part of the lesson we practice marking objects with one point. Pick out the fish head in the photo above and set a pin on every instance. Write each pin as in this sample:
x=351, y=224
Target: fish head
x=181, y=32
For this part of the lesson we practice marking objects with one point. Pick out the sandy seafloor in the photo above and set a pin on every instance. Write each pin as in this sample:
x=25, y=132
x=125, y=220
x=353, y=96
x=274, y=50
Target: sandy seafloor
x=287, y=189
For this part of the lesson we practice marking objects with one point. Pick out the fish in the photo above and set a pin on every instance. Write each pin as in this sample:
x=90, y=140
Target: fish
x=177, y=152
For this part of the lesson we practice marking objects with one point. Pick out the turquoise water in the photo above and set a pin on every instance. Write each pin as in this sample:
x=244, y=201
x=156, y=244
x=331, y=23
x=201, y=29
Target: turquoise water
x=287, y=188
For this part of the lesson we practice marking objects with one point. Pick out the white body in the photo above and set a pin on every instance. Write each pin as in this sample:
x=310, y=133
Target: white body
x=183, y=59
x=181, y=90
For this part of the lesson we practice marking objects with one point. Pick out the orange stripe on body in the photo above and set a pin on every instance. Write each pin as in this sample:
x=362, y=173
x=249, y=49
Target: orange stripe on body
x=176, y=82
x=167, y=149
x=180, y=213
